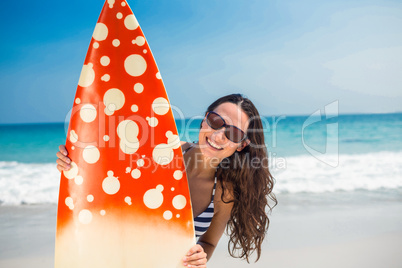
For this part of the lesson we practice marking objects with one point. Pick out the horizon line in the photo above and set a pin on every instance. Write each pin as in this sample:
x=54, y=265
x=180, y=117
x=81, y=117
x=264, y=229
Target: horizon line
x=275, y=115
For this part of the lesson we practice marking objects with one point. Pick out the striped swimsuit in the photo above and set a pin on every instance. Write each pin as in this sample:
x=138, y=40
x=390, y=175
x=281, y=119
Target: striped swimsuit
x=203, y=221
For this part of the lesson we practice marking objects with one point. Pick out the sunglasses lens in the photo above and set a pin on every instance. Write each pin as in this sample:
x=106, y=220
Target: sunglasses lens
x=234, y=134
x=215, y=121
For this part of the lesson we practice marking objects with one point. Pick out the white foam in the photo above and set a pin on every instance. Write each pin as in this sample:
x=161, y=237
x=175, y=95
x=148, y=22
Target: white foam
x=22, y=183
x=370, y=171
x=28, y=183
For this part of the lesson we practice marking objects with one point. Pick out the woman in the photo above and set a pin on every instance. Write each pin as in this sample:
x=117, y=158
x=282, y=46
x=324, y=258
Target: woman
x=229, y=180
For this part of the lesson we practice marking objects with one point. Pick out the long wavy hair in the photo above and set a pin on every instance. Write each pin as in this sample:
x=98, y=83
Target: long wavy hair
x=246, y=176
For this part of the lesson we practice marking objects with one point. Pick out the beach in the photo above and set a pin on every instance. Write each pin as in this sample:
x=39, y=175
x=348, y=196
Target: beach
x=342, y=215
x=340, y=229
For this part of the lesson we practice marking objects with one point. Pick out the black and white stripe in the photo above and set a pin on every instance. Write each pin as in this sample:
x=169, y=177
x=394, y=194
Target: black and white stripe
x=203, y=221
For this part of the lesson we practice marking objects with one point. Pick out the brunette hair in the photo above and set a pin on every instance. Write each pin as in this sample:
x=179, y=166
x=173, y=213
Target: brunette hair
x=249, y=186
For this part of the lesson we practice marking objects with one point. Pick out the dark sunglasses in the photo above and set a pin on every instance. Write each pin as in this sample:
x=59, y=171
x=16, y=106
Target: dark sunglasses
x=234, y=134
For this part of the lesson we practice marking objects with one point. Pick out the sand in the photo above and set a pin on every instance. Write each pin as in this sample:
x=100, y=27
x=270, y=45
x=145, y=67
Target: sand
x=359, y=229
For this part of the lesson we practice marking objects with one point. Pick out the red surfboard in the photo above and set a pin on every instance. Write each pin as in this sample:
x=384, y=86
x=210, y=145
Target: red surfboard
x=125, y=202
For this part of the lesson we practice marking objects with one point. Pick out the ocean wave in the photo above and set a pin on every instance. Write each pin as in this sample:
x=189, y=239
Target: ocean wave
x=22, y=183
x=369, y=171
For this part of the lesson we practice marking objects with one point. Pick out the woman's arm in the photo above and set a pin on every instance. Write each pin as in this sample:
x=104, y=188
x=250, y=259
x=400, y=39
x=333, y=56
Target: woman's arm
x=209, y=240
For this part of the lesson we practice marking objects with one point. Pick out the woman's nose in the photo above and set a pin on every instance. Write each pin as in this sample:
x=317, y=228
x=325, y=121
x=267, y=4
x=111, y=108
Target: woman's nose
x=219, y=135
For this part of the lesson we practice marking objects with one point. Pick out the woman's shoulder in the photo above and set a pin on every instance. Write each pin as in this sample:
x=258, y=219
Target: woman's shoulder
x=185, y=145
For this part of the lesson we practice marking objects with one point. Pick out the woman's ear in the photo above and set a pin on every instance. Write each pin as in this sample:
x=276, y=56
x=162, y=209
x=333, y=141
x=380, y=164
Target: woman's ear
x=243, y=145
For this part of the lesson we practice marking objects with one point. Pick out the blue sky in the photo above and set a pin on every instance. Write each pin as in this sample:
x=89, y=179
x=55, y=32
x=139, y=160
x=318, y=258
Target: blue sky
x=289, y=57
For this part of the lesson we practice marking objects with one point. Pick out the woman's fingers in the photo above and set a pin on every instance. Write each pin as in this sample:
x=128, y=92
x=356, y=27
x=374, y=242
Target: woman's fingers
x=62, y=165
x=63, y=149
x=63, y=160
x=196, y=257
x=63, y=157
x=196, y=263
x=196, y=248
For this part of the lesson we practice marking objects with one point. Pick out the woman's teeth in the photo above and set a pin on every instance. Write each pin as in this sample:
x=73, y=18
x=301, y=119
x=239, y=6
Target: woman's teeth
x=216, y=146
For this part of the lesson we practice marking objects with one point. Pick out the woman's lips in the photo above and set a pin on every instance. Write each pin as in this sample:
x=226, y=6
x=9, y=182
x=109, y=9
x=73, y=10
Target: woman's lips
x=213, y=145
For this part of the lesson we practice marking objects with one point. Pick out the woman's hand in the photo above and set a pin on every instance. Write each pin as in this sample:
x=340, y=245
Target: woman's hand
x=196, y=257
x=63, y=162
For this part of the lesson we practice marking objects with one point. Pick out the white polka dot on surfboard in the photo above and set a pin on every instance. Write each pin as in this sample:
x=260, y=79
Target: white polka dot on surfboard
x=72, y=172
x=140, y=162
x=87, y=76
x=135, y=65
x=116, y=42
x=127, y=199
x=178, y=174
x=95, y=45
x=152, y=121
x=134, y=108
x=160, y=106
x=113, y=100
x=153, y=198
x=131, y=22
x=105, y=78
x=105, y=60
x=139, y=41
x=91, y=154
x=88, y=113
x=167, y=215
x=101, y=32
x=90, y=198
x=128, y=131
x=102, y=212
x=106, y=138
x=69, y=203
x=179, y=202
x=73, y=136
x=111, y=3
x=77, y=100
x=162, y=154
x=85, y=216
x=136, y=173
x=158, y=75
x=173, y=140
x=111, y=184
x=138, y=87
x=119, y=15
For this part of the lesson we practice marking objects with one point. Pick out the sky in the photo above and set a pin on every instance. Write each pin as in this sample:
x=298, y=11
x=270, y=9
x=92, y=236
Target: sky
x=289, y=57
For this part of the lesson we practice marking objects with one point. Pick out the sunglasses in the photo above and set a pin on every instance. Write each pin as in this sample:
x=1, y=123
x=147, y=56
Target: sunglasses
x=234, y=134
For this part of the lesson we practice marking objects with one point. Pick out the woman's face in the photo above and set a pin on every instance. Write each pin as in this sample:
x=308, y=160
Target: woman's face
x=214, y=143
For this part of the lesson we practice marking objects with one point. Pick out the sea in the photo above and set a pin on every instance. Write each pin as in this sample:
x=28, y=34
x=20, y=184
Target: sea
x=347, y=153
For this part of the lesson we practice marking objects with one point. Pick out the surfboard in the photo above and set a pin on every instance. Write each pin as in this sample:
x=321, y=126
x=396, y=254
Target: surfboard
x=125, y=201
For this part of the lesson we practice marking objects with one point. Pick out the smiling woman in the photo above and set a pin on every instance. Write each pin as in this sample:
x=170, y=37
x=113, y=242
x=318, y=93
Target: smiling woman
x=233, y=135
x=229, y=180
